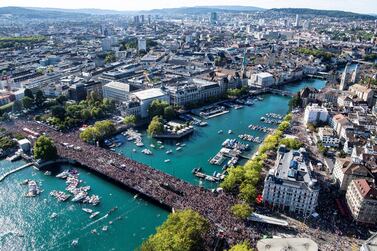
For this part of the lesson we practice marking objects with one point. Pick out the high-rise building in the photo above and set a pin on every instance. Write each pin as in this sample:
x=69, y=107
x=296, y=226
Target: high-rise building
x=213, y=17
x=142, y=19
x=136, y=20
x=297, y=23
x=149, y=19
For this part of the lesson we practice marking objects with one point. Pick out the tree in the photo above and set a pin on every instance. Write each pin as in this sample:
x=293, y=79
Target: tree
x=17, y=106
x=58, y=111
x=283, y=126
x=27, y=102
x=28, y=93
x=44, y=149
x=157, y=107
x=182, y=231
x=90, y=135
x=241, y=247
x=130, y=120
x=86, y=114
x=294, y=102
x=169, y=113
x=156, y=126
x=61, y=99
x=291, y=143
x=105, y=128
x=39, y=98
x=241, y=211
x=110, y=57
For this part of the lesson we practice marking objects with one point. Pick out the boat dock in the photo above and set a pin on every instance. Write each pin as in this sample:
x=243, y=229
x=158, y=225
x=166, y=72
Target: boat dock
x=14, y=171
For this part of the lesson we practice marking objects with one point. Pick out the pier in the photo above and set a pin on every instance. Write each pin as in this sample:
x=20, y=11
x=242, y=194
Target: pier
x=159, y=187
x=14, y=171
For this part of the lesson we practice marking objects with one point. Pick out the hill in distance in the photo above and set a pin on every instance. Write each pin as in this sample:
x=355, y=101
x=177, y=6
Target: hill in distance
x=328, y=13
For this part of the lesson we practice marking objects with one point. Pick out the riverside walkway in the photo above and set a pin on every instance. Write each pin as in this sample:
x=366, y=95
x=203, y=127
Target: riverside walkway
x=158, y=186
x=2, y=177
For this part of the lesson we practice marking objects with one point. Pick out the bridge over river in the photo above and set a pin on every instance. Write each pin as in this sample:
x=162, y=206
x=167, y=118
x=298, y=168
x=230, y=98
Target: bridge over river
x=153, y=184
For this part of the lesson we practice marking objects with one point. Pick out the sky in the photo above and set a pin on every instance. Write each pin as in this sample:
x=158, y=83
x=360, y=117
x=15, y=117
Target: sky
x=360, y=6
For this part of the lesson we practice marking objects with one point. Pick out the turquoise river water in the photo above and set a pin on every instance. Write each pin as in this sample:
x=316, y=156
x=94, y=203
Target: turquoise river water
x=25, y=223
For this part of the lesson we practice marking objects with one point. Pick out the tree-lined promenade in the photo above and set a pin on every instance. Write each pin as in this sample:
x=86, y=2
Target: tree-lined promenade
x=156, y=185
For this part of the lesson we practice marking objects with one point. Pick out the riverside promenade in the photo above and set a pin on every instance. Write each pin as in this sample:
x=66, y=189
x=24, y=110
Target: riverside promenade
x=153, y=184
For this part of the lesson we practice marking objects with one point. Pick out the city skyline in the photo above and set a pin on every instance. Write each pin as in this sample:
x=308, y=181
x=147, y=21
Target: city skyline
x=364, y=6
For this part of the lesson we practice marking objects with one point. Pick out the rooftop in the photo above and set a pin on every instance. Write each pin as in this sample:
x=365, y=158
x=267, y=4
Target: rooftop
x=149, y=94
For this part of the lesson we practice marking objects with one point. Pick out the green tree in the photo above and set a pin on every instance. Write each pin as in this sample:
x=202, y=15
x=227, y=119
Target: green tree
x=294, y=102
x=90, y=135
x=182, y=231
x=110, y=57
x=17, y=106
x=86, y=114
x=241, y=247
x=242, y=211
x=28, y=93
x=291, y=143
x=105, y=128
x=39, y=98
x=44, y=149
x=58, y=111
x=283, y=126
x=27, y=102
x=130, y=120
x=169, y=113
x=157, y=107
x=156, y=126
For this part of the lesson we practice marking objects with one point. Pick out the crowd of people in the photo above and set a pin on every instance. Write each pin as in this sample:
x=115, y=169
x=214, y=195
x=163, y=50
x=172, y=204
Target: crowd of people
x=154, y=184
x=175, y=193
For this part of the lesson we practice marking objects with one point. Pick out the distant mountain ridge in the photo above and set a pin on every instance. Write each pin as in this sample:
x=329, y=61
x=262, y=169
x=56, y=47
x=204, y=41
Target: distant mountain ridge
x=33, y=12
x=328, y=13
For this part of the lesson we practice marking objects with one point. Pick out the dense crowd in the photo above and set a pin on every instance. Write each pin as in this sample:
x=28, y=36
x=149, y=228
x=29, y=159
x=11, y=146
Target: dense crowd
x=154, y=184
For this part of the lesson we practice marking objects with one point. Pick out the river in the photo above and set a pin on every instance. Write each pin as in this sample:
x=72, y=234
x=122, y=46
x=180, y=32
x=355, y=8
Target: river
x=25, y=223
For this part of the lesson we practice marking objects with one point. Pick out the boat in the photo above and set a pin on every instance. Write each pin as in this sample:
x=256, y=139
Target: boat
x=203, y=123
x=47, y=173
x=94, y=231
x=87, y=210
x=135, y=196
x=104, y=228
x=169, y=151
x=75, y=242
x=147, y=151
x=162, y=147
x=139, y=144
x=167, y=160
x=178, y=144
x=53, y=215
x=230, y=131
x=80, y=196
x=183, y=145
x=178, y=148
x=153, y=146
x=63, y=175
x=159, y=142
x=134, y=150
x=24, y=182
x=220, y=132
x=33, y=189
x=94, y=215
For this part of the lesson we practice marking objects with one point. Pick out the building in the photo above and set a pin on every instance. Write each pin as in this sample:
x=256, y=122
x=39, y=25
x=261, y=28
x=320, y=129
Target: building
x=315, y=114
x=108, y=42
x=361, y=198
x=280, y=244
x=345, y=170
x=213, y=18
x=142, y=44
x=363, y=92
x=140, y=101
x=371, y=243
x=297, y=22
x=328, y=137
x=263, y=79
x=289, y=185
x=116, y=91
x=341, y=124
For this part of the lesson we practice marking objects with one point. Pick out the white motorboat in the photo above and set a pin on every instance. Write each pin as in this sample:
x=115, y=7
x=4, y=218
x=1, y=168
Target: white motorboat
x=87, y=210
x=80, y=196
x=169, y=151
x=94, y=215
x=167, y=160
